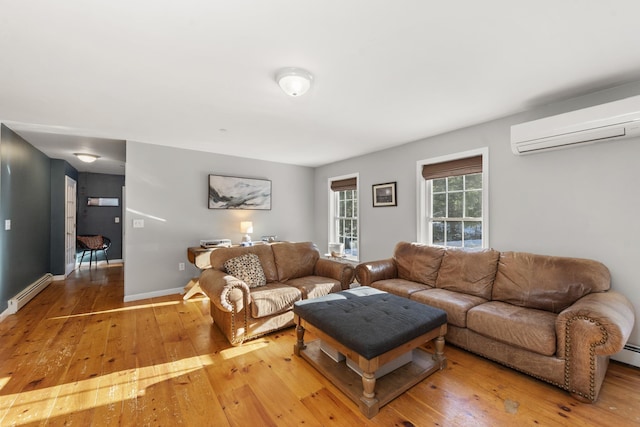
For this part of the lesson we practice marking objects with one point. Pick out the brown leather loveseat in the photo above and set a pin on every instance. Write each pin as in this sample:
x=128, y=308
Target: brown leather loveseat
x=554, y=318
x=244, y=308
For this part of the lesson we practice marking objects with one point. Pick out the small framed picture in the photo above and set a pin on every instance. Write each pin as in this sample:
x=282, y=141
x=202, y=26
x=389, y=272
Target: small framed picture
x=384, y=194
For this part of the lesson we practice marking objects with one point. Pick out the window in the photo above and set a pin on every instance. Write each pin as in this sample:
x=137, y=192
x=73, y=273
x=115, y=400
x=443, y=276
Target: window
x=343, y=205
x=454, y=201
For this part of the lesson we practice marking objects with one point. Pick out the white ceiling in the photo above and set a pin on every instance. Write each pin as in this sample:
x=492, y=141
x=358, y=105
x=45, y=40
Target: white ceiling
x=199, y=74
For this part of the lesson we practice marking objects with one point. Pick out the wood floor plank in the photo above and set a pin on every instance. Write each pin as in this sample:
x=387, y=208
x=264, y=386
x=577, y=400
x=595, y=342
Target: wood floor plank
x=282, y=405
x=118, y=384
x=243, y=408
x=76, y=400
x=329, y=410
x=78, y=355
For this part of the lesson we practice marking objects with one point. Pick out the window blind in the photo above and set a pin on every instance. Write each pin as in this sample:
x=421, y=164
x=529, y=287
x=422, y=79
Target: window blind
x=345, y=184
x=455, y=167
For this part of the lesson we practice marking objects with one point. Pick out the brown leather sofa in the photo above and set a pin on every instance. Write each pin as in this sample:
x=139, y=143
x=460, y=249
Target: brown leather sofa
x=293, y=271
x=553, y=318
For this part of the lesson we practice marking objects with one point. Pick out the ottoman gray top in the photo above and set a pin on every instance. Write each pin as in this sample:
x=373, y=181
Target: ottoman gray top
x=370, y=321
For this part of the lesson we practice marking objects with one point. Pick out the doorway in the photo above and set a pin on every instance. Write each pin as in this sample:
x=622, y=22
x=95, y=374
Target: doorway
x=70, y=225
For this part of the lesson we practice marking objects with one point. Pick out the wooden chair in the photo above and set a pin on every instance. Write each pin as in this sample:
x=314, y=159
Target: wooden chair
x=93, y=244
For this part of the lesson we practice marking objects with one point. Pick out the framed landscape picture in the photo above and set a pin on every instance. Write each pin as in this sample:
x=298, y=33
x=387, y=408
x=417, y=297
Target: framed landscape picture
x=230, y=192
x=384, y=194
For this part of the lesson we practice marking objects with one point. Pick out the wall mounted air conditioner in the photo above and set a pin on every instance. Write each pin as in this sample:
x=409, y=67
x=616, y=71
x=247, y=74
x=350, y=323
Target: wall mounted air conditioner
x=613, y=120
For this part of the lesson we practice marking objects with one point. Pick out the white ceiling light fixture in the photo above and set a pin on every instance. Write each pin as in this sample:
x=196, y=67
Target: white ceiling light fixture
x=87, y=158
x=294, y=81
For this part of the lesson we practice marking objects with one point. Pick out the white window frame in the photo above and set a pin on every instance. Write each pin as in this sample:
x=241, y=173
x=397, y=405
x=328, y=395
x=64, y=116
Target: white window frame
x=424, y=197
x=332, y=209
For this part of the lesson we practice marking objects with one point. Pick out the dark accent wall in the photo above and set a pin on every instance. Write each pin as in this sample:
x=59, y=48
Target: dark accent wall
x=101, y=219
x=25, y=199
x=59, y=169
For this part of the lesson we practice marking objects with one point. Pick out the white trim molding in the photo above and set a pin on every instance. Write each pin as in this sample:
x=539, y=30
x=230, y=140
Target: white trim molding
x=421, y=187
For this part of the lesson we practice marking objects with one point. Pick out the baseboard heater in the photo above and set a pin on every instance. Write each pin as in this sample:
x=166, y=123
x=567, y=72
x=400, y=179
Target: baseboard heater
x=631, y=347
x=26, y=295
x=630, y=355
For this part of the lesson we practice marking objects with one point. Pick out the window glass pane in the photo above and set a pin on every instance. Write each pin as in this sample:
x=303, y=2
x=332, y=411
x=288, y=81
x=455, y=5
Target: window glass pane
x=455, y=205
x=473, y=182
x=439, y=205
x=472, y=234
x=451, y=200
x=354, y=247
x=438, y=233
x=439, y=185
x=454, y=233
x=473, y=204
x=455, y=183
x=346, y=222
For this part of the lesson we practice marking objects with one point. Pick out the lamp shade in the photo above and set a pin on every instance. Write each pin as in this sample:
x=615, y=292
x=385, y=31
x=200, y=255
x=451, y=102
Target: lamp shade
x=294, y=81
x=246, y=227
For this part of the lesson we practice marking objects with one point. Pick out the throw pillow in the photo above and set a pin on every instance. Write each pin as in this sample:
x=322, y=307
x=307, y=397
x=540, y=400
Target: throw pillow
x=246, y=268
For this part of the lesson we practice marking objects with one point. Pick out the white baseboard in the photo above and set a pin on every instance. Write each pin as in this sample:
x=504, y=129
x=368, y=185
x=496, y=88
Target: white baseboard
x=4, y=315
x=154, y=294
x=629, y=355
x=59, y=277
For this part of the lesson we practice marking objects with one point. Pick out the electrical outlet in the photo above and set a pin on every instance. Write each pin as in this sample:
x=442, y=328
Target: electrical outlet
x=181, y=266
x=138, y=223
x=7, y=224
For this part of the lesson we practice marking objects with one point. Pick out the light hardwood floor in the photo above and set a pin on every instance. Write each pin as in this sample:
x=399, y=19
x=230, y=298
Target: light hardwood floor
x=78, y=355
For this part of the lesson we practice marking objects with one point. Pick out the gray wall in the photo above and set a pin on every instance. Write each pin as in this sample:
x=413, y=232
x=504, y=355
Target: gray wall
x=579, y=202
x=25, y=199
x=168, y=188
x=101, y=219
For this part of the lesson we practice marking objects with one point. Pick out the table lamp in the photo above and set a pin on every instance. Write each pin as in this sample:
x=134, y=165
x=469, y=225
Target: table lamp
x=246, y=227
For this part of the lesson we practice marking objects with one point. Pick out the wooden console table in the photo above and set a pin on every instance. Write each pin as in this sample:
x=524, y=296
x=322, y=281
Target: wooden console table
x=198, y=256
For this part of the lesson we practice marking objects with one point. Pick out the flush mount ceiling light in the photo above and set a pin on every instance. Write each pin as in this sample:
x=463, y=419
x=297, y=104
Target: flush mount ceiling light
x=294, y=81
x=87, y=158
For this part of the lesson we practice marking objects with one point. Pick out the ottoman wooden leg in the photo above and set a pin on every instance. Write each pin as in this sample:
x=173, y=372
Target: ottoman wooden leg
x=299, y=346
x=438, y=356
x=368, y=402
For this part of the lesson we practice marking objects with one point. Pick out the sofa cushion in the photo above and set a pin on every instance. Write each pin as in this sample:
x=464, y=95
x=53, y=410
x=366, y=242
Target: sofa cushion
x=315, y=286
x=470, y=272
x=272, y=299
x=547, y=282
x=220, y=255
x=527, y=328
x=400, y=287
x=456, y=304
x=295, y=260
x=246, y=268
x=418, y=262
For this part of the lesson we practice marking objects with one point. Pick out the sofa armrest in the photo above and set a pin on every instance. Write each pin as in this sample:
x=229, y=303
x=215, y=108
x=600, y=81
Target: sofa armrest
x=342, y=271
x=589, y=331
x=227, y=292
x=603, y=320
x=369, y=272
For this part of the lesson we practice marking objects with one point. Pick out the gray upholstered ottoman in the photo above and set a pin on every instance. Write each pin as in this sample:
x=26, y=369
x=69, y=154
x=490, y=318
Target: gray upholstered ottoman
x=371, y=328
